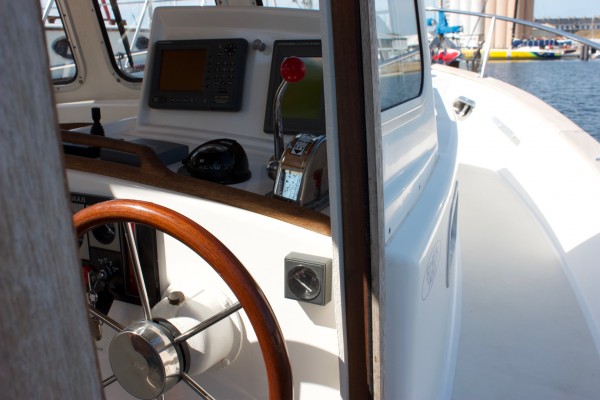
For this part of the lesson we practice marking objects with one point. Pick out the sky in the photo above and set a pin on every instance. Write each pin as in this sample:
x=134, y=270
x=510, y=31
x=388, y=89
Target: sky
x=555, y=8
x=566, y=8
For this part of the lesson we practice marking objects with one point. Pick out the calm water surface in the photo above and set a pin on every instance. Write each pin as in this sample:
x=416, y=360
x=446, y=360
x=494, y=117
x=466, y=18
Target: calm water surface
x=570, y=86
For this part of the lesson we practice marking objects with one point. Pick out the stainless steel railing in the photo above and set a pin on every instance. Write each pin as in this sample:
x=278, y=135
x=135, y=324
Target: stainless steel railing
x=494, y=18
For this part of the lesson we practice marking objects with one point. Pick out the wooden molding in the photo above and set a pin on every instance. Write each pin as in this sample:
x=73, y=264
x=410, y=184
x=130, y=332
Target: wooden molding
x=153, y=173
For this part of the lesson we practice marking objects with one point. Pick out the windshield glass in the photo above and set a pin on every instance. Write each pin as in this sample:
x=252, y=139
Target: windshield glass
x=399, y=52
x=60, y=55
x=126, y=25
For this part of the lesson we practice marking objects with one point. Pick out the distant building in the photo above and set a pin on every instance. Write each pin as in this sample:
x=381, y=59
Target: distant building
x=572, y=24
x=475, y=29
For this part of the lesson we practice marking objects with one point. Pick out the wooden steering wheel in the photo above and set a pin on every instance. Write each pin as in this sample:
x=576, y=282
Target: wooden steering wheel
x=161, y=349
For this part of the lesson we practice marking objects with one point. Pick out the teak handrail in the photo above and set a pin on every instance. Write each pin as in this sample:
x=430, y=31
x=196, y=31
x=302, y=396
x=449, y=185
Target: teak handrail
x=152, y=172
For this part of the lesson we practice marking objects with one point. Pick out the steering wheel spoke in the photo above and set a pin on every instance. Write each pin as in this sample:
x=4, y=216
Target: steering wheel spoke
x=106, y=319
x=208, y=323
x=196, y=387
x=137, y=269
x=109, y=380
x=151, y=356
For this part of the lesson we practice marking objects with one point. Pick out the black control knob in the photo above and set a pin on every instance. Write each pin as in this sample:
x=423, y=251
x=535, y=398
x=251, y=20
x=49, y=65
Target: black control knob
x=97, y=128
x=105, y=234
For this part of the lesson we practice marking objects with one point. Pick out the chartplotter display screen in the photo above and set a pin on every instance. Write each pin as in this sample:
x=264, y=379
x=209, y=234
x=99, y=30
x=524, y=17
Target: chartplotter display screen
x=182, y=70
x=303, y=106
x=198, y=74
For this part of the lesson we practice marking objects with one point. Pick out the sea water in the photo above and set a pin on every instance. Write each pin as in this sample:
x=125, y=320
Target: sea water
x=570, y=86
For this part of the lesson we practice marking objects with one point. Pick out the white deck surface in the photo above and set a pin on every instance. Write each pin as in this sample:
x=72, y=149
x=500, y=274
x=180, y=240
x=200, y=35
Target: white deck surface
x=523, y=335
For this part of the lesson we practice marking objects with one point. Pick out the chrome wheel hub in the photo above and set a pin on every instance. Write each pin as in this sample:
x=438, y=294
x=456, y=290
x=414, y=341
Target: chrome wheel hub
x=145, y=360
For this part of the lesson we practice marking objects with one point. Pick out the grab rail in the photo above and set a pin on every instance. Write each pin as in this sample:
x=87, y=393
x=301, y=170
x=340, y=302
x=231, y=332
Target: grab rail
x=399, y=58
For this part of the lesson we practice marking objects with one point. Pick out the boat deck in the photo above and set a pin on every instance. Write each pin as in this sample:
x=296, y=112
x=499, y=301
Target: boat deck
x=523, y=335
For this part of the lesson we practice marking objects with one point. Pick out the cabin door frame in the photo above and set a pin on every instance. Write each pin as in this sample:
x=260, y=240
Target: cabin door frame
x=358, y=226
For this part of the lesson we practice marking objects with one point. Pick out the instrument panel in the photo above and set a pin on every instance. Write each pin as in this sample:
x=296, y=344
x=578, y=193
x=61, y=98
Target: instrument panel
x=205, y=74
x=106, y=264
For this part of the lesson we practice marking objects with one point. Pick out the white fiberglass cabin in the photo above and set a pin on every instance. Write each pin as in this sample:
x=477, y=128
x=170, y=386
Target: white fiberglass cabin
x=278, y=203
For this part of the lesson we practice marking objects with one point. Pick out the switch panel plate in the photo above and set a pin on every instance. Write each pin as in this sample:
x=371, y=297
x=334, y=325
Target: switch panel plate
x=105, y=248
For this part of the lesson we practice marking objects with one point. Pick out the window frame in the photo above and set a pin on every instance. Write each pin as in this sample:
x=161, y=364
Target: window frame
x=78, y=76
x=109, y=48
x=421, y=53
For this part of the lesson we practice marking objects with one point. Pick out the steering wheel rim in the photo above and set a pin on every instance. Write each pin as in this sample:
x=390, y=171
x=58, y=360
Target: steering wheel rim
x=222, y=260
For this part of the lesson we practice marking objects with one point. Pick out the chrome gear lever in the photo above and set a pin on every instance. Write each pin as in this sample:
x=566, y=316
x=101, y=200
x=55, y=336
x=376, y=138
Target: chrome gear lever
x=299, y=170
x=292, y=70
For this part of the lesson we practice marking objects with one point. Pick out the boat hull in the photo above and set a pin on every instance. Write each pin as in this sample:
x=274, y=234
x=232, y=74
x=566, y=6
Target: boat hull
x=516, y=54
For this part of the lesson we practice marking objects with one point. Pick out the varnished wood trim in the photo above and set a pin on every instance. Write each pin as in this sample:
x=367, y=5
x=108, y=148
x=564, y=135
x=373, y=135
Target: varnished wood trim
x=152, y=172
x=355, y=198
x=73, y=125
